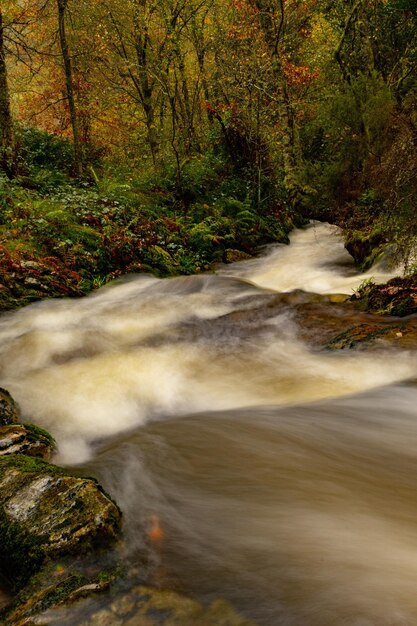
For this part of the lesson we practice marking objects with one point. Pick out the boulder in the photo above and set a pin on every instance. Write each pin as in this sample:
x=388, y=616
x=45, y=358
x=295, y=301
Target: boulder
x=365, y=248
x=230, y=255
x=26, y=439
x=9, y=410
x=46, y=512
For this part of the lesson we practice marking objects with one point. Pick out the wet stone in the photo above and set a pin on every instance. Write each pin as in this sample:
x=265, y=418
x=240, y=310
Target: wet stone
x=232, y=256
x=26, y=439
x=9, y=410
x=44, y=513
x=366, y=336
x=144, y=606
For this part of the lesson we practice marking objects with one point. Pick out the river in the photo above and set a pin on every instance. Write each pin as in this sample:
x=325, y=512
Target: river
x=283, y=475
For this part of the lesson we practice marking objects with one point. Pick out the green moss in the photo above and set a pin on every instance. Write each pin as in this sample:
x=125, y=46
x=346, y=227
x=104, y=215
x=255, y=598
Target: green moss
x=362, y=335
x=35, y=433
x=31, y=465
x=57, y=583
x=39, y=594
x=59, y=593
x=21, y=556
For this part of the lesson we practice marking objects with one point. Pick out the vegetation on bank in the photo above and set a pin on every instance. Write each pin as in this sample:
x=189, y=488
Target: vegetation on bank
x=64, y=237
x=398, y=297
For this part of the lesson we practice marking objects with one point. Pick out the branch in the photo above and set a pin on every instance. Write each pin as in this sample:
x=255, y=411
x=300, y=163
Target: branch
x=280, y=27
x=338, y=52
x=48, y=106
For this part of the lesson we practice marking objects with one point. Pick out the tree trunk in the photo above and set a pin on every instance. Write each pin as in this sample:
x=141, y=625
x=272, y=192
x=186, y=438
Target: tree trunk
x=143, y=83
x=289, y=149
x=6, y=126
x=62, y=5
x=273, y=29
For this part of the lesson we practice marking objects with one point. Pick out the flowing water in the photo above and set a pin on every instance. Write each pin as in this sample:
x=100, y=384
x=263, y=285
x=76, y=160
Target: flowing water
x=283, y=476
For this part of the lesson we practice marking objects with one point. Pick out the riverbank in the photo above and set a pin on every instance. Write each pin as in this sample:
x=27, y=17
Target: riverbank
x=69, y=240
x=64, y=238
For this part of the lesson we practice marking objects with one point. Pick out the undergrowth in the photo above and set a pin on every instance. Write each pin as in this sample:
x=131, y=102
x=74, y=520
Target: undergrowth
x=60, y=237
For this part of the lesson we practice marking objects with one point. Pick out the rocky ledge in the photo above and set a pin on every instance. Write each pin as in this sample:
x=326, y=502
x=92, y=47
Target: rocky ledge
x=26, y=439
x=397, y=297
x=45, y=513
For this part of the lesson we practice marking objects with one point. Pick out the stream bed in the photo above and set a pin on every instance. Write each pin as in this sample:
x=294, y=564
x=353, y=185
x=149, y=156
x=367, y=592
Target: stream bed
x=280, y=475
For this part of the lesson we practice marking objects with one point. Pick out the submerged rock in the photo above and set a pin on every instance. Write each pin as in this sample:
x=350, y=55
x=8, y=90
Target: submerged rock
x=26, y=439
x=66, y=581
x=141, y=606
x=45, y=512
x=368, y=335
x=9, y=410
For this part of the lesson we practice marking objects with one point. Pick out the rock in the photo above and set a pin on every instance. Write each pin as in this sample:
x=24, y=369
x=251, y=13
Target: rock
x=365, y=248
x=396, y=297
x=161, y=259
x=141, y=606
x=32, y=282
x=54, y=586
x=26, y=439
x=32, y=265
x=46, y=512
x=230, y=255
x=367, y=336
x=9, y=410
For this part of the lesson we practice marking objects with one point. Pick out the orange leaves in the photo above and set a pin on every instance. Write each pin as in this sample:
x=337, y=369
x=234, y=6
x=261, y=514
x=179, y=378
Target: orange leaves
x=244, y=26
x=221, y=107
x=299, y=75
x=245, y=8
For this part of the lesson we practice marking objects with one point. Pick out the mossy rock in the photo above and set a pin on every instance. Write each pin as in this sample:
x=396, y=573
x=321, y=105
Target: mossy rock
x=230, y=255
x=397, y=297
x=45, y=512
x=57, y=584
x=26, y=439
x=365, y=248
x=9, y=410
x=160, y=259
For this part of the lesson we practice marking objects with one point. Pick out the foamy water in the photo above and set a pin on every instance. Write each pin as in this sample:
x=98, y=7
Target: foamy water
x=315, y=261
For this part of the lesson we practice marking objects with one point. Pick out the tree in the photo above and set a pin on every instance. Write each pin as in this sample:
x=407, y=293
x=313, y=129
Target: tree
x=62, y=8
x=6, y=123
x=274, y=23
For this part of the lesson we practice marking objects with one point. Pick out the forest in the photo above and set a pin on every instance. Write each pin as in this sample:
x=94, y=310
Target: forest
x=208, y=312
x=168, y=135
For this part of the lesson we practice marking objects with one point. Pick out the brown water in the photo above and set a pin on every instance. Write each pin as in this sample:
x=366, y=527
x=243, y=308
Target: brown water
x=283, y=477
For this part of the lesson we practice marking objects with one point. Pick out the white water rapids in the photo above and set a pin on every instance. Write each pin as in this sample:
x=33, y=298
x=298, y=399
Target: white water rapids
x=284, y=477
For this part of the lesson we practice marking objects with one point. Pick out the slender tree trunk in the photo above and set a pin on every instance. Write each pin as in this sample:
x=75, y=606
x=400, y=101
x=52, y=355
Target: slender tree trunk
x=273, y=27
x=6, y=126
x=149, y=111
x=62, y=5
x=143, y=83
x=289, y=148
x=355, y=23
x=339, y=52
